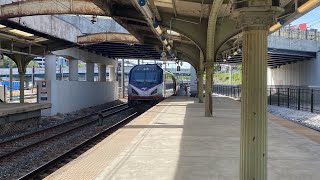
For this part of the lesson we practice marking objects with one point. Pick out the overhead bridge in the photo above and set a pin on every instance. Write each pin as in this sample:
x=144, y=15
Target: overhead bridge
x=276, y=57
x=124, y=50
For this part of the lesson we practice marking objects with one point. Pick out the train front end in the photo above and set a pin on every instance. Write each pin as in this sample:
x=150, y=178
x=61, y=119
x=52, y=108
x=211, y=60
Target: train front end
x=145, y=84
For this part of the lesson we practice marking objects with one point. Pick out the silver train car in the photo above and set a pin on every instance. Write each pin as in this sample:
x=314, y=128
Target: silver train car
x=149, y=82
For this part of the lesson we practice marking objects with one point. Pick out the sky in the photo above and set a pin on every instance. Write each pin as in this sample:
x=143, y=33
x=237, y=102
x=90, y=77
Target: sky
x=312, y=19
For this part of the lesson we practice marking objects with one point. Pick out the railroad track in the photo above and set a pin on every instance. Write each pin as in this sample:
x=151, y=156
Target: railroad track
x=46, y=169
x=20, y=146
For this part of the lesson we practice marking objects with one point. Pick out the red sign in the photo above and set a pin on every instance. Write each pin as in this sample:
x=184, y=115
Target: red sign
x=303, y=26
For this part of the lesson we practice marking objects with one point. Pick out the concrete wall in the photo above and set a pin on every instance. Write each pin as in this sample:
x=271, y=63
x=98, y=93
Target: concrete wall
x=305, y=73
x=74, y=95
x=103, y=24
x=293, y=44
x=50, y=25
x=3, y=96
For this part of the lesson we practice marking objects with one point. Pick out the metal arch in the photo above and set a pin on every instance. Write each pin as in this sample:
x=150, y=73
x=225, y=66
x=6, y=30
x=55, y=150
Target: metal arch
x=193, y=59
x=188, y=58
x=194, y=32
x=192, y=51
x=223, y=36
x=48, y=7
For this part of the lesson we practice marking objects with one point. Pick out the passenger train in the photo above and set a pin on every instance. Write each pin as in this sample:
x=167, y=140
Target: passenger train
x=149, y=82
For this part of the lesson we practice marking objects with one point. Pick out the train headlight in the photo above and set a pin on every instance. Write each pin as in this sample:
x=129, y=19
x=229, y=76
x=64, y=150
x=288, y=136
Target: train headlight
x=134, y=92
x=154, y=92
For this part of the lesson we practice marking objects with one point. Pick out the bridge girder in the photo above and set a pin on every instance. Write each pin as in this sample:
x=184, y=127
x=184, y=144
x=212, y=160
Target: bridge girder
x=107, y=37
x=48, y=7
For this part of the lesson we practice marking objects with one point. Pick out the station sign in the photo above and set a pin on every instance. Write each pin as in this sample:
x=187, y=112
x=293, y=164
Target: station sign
x=44, y=91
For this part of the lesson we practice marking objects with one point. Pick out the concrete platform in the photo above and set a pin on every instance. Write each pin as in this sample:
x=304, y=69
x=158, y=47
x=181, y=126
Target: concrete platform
x=14, y=108
x=173, y=140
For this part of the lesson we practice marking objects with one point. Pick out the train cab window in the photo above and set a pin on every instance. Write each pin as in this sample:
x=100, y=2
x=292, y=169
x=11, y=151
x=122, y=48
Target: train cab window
x=145, y=76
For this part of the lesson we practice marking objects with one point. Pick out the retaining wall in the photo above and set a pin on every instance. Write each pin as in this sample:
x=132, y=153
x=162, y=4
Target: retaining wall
x=68, y=96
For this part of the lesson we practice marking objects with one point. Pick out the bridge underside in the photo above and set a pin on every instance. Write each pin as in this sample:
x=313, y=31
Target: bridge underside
x=276, y=57
x=124, y=50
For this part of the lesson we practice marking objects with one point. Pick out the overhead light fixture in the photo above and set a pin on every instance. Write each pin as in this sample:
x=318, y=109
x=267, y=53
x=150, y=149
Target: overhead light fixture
x=21, y=33
x=169, y=48
x=235, y=53
x=94, y=19
x=173, y=33
x=157, y=28
x=164, y=40
x=307, y=6
x=229, y=57
x=40, y=39
x=276, y=26
x=224, y=60
x=2, y=26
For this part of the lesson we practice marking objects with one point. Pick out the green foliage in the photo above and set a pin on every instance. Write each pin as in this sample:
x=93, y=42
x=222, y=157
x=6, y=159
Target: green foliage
x=6, y=62
x=223, y=78
x=81, y=65
x=240, y=68
x=236, y=78
x=184, y=77
x=33, y=63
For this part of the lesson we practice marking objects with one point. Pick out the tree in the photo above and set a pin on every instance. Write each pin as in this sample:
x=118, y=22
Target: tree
x=6, y=62
x=33, y=63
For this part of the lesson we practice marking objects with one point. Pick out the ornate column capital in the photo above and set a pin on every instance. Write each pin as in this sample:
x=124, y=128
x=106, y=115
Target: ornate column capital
x=256, y=17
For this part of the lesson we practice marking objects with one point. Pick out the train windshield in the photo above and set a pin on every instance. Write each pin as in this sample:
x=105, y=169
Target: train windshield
x=145, y=76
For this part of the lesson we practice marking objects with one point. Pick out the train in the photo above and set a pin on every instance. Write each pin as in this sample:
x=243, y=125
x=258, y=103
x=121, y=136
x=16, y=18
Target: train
x=150, y=83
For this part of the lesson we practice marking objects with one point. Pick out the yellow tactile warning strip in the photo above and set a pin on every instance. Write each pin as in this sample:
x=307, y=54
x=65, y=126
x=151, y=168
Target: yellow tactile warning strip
x=90, y=164
x=297, y=128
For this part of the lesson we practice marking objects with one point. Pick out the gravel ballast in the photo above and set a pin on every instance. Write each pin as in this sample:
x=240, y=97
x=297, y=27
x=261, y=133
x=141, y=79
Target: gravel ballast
x=305, y=118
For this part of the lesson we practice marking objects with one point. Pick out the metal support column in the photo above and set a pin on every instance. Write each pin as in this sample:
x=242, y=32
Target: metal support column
x=210, y=56
x=11, y=77
x=122, y=78
x=21, y=74
x=32, y=78
x=230, y=74
x=253, y=136
x=200, y=78
x=254, y=105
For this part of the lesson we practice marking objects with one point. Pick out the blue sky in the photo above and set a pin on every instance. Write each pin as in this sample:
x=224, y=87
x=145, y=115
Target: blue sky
x=312, y=19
